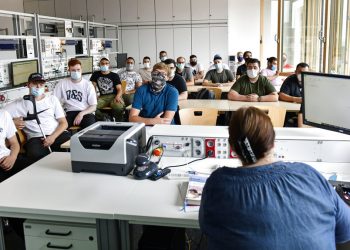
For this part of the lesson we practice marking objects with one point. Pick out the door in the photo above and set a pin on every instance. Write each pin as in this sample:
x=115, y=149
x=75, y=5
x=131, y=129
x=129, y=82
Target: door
x=95, y=11
x=130, y=38
x=200, y=45
x=47, y=8
x=78, y=9
x=200, y=10
x=145, y=11
x=111, y=10
x=218, y=9
x=182, y=42
x=182, y=11
x=62, y=8
x=128, y=11
x=164, y=11
x=147, y=45
x=219, y=42
x=164, y=39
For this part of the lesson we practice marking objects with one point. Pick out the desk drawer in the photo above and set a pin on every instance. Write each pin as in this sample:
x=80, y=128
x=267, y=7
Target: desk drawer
x=60, y=230
x=38, y=243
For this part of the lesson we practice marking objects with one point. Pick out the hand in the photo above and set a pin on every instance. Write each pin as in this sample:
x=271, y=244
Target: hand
x=119, y=99
x=48, y=141
x=160, y=120
x=19, y=123
x=78, y=119
x=252, y=98
x=277, y=73
x=7, y=162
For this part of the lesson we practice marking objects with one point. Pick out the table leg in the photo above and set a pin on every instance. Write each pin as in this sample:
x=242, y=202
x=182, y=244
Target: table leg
x=2, y=239
x=125, y=234
x=108, y=235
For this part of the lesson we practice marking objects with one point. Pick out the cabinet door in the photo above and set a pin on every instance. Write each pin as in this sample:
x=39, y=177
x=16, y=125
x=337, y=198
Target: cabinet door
x=128, y=11
x=164, y=10
x=95, y=11
x=111, y=11
x=200, y=10
x=31, y=6
x=181, y=10
x=165, y=40
x=145, y=11
x=130, y=41
x=219, y=42
x=62, y=8
x=200, y=45
x=47, y=8
x=218, y=9
x=78, y=9
x=147, y=45
x=182, y=42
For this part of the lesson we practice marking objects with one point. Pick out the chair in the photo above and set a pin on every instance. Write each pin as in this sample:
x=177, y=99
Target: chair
x=22, y=139
x=74, y=129
x=198, y=116
x=217, y=92
x=276, y=114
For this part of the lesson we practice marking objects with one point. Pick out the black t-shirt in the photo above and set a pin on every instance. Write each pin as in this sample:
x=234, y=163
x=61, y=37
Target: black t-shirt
x=106, y=84
x=179, y=83
x=242, y=70
x=291, y=86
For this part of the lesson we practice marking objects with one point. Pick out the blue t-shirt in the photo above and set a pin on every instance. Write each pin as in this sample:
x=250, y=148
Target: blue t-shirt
x=151, y=104
x=278, y=206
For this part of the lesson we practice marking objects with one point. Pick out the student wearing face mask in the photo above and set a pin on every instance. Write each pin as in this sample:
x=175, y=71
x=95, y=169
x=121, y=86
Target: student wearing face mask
x=272, y=73
x=145, y=72
x=163, y=55
x=51, y=116
x=240, y=58
x=184, y=71
x=253, y=87
x=196, y=67
x=176, y=80
x=242, y=70
x=156, y=102
x=78, y=97
x=218, y=75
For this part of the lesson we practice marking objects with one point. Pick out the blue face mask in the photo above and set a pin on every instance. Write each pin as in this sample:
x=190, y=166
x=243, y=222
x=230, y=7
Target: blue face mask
x=240, y=59
x=37, y=91
x=75, y=75
x=273, y=67
x=104, y=68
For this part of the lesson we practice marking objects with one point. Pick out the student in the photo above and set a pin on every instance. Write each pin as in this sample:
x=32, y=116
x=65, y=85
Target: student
x=109, y=86
x=271, y=73
x=176, y=80
x=163, y=55
x=267, y=204
x=145, y=72
x=197, y=68
x=50, y=114
x=240, y=58
x=219, y=74
x=156, y=102
x=78, y=97
x=253, y=87
x=184, y=71
x=242, y=69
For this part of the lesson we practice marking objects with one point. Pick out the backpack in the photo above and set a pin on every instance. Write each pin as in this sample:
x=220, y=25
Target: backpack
x=205, y=94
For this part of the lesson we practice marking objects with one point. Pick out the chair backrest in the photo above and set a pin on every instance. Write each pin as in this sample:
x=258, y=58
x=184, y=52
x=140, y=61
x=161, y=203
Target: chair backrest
x=22, y=139
x=198, y=116
x=276, y=114
x=123, y=86
x=216, y=91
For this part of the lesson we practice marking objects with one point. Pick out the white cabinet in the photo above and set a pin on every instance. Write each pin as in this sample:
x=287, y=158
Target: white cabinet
x=62, y=8
x=200, y=45
x=200, y=10
x=181, y=11
x=128, y=11
x=47, y=8
x=165, y=38
x=78, y=9
x=145, y=11
x=164, y=11
x=95, y=10
x=219, y=42
x=111, y=10
x=31, y=6
x=147, y=45
x=182, y=42
x=130, y=38
x=218, y=9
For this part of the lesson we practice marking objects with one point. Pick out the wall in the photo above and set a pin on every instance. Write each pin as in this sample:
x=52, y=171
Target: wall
x=12, y=5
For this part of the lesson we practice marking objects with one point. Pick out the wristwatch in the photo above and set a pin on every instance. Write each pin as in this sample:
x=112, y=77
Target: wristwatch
x=259, y=99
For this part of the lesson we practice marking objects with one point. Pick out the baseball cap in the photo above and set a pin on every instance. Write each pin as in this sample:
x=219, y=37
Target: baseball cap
x=217, y=57
x=36, y=77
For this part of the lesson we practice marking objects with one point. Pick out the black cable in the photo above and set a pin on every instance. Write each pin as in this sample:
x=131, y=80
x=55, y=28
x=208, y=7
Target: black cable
x=176, y=166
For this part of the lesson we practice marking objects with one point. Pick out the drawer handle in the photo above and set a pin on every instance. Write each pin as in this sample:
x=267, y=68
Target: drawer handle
x=58, y=247
x=58, y=234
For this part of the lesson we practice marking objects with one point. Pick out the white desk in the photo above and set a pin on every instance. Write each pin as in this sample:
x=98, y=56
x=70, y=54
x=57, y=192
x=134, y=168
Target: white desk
x=195, y=88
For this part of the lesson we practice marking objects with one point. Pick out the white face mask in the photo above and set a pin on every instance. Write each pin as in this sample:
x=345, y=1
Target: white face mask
x=219, y=67
x=129, y=67
x=299, y=77
x=252, y=73
x=172, y=73
x=147, y=65
x=163, y=58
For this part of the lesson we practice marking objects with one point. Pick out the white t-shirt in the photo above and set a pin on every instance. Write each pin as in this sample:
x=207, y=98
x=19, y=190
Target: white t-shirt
x=197, y=68
x=131, y=78
x=75, y=96
x=276, y=82
x=48, y=118
x=7, y=130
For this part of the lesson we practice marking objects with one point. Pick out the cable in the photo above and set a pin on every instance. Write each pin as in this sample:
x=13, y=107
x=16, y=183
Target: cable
x=176, y=166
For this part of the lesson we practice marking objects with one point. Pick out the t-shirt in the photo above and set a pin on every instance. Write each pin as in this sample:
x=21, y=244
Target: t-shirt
x=186, y=74
x=242, y=70
x=49, y=111
x=278, y=206
x=223, y=77
x=277, y=82
x=179, y=83
x=152, y=104
x=75, y=96
x=106, y=83
x=196, y=68
x=7, y=130
x=146, y=74
x=261, y=87
x=291, y=86
x=131, y=78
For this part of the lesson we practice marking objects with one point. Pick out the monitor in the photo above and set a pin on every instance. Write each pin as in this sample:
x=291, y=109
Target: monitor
x=121, y=60
x=86, y=64
x=21, y=71
x=326, y=101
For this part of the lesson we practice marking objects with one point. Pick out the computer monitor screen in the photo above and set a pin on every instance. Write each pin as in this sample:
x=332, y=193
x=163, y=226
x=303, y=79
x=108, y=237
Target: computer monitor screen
x=21, y=71
x=121, y=60
x=86, y=64
x=326, y=101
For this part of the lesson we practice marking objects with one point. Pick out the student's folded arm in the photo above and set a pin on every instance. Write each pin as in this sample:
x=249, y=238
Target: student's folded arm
x=235, y=96
x=183, y=95
x=272, y=97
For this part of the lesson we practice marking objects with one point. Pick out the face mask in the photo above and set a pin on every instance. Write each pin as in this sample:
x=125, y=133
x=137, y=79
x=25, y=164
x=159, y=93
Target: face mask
x=147, y=65
x=218, y=66
x=104, y=68
x=37, y=91
x=172, y=73
x=299, y=77
x=129, y=67
x=240, y=58
x=273, y=67
x=163, y=58
x=193, y=63
x=181, y=66
x=75, y=75
x=158, y=82
x=252, y=73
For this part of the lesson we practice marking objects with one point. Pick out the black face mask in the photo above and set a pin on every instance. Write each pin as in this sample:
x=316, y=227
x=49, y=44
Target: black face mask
x=158, y=82
x=193, y=63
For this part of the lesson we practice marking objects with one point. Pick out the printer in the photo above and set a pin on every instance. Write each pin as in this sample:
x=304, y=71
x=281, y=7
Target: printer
x=107, y=147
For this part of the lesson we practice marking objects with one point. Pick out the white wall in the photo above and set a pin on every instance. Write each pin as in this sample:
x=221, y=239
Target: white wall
x=11, y=5
x=244, y=26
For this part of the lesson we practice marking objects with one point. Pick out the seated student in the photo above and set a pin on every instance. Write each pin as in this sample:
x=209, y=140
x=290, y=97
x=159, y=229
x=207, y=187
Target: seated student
x=78, y=97
x=109, y=86
x=163, y=55
x=268, y=204
x=156, y=102
x=176, y=80
x=133, y=80
x=213, y=66
x=271, y=73
x=242, y=69
x=145, y=72
x=219, y=74
x=197, y=68
x=240, y=58
x=184, y=71
x=253, y=87
x=50, y=114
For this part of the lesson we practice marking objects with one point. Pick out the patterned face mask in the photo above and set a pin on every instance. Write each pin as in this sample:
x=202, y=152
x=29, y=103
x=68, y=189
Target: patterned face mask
x=158, y=81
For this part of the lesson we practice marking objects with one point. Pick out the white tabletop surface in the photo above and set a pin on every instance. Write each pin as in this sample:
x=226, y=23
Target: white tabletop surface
x=195, y=88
